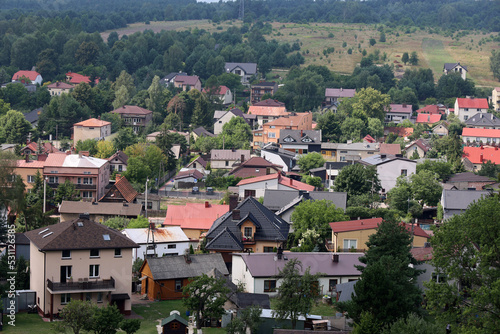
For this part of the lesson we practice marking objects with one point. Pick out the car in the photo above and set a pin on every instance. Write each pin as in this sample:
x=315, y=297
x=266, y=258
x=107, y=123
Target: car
x=195, y=190
x=210, y=191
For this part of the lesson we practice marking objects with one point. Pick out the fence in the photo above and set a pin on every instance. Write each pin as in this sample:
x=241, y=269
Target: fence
x=23, y=299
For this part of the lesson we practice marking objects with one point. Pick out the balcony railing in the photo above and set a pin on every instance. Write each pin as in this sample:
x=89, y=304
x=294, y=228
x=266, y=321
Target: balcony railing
x=80, y=186
x=82, y=285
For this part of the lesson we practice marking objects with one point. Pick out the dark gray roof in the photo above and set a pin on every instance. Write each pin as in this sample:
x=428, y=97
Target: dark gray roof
x=33, y=115
x=468, y=177
x=268, y=226
x=21, y=239
x=346, y=291
x=120, y=155
x=282, y=200
x=483, y=119
x=336, y=165
x=276, y=199
x=461, y=199
x=249, y=68
x=294, y=136
x=450, y=66
x=174, y=267
x=243, y=300
x=169, y=77
x=382, y=159
x=201, y=131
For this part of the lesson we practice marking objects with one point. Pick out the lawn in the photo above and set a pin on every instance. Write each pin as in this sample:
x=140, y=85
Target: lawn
x=435, y=54
x=27, y=323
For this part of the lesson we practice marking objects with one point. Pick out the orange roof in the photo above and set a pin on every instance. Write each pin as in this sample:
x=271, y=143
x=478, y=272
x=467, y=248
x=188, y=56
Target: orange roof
x=472, y=103
x=478, y=155
x=92, y=122
x=28, y=74
x=371, y=223
x=428, y=118
x=123, y=185
x=481, y=133
x=294, y=120
x=422, y=253
x=30, y=164
x=402, y=132
x=221, y=91
x=194, y=215
x=268, y=111
x=76, y=78
x=285, y=181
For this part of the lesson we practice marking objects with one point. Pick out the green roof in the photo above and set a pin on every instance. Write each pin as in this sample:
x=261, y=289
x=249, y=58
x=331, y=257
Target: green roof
x=173, y=317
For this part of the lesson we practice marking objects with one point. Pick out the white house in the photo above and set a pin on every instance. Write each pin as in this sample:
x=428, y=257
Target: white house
x=223, y=94
x=163, y=241
x=245, y=70
x=390, y=167
x=256, y=186
x=221, y=117
x=465, y=108
x=455, y=67
x=279, y=156
x=398, y=113
x=257, y=271
x=33, y=76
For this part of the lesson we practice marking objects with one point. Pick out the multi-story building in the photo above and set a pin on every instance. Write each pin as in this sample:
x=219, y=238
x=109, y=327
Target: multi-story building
x=82, y=260
x=245, y=70
x=267, y=110
x=91, y=128
x=136, y=117
x=465, y=108
x=495, y=98
x=270, y=131
x=481, y=136
x=262, y=88
x=397, y=113
x=58, y=88
x=455, y=67
x=333, y=96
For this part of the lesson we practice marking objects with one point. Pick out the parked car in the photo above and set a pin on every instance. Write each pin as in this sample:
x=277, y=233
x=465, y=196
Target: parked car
x=210, y=191
x=195, y=190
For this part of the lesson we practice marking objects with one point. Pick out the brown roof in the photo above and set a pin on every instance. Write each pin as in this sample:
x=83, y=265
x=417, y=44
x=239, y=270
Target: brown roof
x=189, y=173
x=249, y=168
x=101, y=208
x=422, y=253
x=390, y=148
x=80, y=233
x=123, y=187
x=119, y=155
x=135, y=110
x=60, y=85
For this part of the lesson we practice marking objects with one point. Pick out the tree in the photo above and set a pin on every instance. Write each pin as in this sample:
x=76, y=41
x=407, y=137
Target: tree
x=139, y=222
x=426, y=188
x=75, y=316
x=105, y=320
x=353, y=128
x=452, y=85
x=495, y=64
x=118, y=223
x=372, y=41
x=375, y=128
x=386, y=288
x=370, y=103
x=465, y=251
x=316, y=215
x=89, y=145
x=313, y=181
x=236, y=134
x=14, y=128
x=413, y=58
x=122, y=96
x=205, y=297
x=443, y=169
x=489, y=169
x=309, y=161
x=156, y=101
x=382, y=37
x=405, y=58
x=248, y=319
x=125, y=138
x=296, y=293
x=413, y=324
x=105, y=149
x=87, y=53
x=357, y=179
x=130, y=326
x=66, y=192
x=115, y=119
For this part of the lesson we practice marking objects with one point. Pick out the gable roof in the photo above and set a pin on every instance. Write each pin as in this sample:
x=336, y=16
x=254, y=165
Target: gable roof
x=264, y=110
x=380, y=159
x=173, y=317
x=60, y=85
x=221, y=90
x=133, y=110
x=461, y=199
x=450, y=66
x=201, y=131
x=175, y=267
x=400, y=108
x=424, y=145
x=340, y=92
x=121, y=187
x=472, y=103
x=483, y=119
x=248, y=167
x=478, y=155
x=80, y=233
x=32, y=75
x=249, y=68
x=481, y=133
x=430, y=109
x=390, y=148
x=300, y=136
x=194, y=215
x=232, y=155
x=189, y=173
x=101, y=208
x=190, y=80
x=355, y=225
x=77, y=78
x=339, y=199
x=199, y=160
x=468, y=177
x=33, y=115
x=428, y=118
x=120, y=155
x=283, y=180
x=92, y=122
x=167, y=234
x=170, y=76
x=295, y=119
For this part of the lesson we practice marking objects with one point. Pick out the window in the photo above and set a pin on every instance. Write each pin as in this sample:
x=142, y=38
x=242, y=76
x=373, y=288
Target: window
x=172, y=246
x=94, y=253
x=227, y=163
x=99, y=297
x=54, y=179
x=118, y=252
x=404, y=172
x=248, y=232
x=332, y=284
x=466, y=117
x=271, y=135
x=438, y=277
x=370, y=152
x=88, y=296
x=86, y=173
x=66, y=254
x=94, y=270
x=86, y=194
x=273, y=127
x=174, y=326
x=65, y=298
x=343, y=152
x=249, y=192
x=268, y=249
x=31, y=178
x=120, y=168
x=269, y=285
x=350, y=243
x=178, y=285
x=257, y=170
x=466, y=109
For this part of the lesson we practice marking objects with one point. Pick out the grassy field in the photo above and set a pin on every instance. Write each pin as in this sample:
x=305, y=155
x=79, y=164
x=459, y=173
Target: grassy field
x=471, y=49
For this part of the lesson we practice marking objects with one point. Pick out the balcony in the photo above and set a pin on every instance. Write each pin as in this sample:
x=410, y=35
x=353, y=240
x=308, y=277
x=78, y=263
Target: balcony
x=248, y=240
x=82, y=285
x=80, y=186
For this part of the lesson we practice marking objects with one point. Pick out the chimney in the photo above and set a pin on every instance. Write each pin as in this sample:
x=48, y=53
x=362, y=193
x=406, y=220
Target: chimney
x=236, y=214
x=279, y=253
x=301, y=133
x=68, y=152
x=242, y=158
x=187, y=258
x=481, y=157
x=383, y=156
x=27, y=157
x=404, y=105
x=335, y=258
x=341, y=89
x=152, y=226
x=291, y=182
x=207, y=205
x=80, y=153
x=118, y=177
x=233, y=202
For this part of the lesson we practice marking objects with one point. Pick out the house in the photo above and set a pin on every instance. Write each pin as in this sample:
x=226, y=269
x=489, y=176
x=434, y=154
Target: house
x=164, y=241
x=201, y=131
x=164, y=277
x=221, y=94
x=187, y=178
x=267, y=110
x=40, y=149
x=194, y=218
x=199, y=163
x=397, y=113
x=349, y=152
x=333, y=96
x=248, y=226
x=245, y=70
x=136, y=117
x=226, y=159
x=21, y=247
x=465, y=108
x=31, y=88
x=440, y=129
x=80, y=259
x=399, y=131
x=33, y=116
x=333, y=169
x=256, y=186
x=254, y=167
x=278, y=156
x=89, y=175
x=354, y=234
x=420, y=146
x=76, y=78
x=120, y=192
x=483, y=121
x=221, y=117
x=480, y=136
x=428, y=118
x=270, y=131
x=258, y=271
x=479, y=155
x=433, y=109
x=300, y=141
x=469, y=181
x=169, y=78
x=257, y=91
x=91, y=128
x=389, y=168
x=23, y=76
x=187, y=82
x=495, y=98
x=455, y=202
x=455, y=67
x=275, y=198
x=118, y=162
x=27, y=169
x=8, y=148
x=389, y=148
x=99, y=211
x=58, y=88
x=174, y=324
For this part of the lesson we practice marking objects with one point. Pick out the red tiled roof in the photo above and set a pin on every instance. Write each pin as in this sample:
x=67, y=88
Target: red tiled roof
x=478, y=155
x=194, y=215
x=285, y=181
x=402, y=132
x=221, y=91
x=76, y=78
x=125, y=188
x=369, y=139
x=472, y=103
x=30, y=164
x=189, y=173
x=355, y=225
x=294, y=120
x=428, y=118
x=92, y=122
x=268, y=111
x=28, y=74
x=422, y=253
x=429, y=109
x=481, y=133
x=390, y=149
x=135, y=110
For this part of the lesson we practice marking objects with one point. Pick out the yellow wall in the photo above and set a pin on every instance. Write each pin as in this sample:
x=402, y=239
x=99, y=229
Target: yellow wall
x=362, y=237
x=24, y=172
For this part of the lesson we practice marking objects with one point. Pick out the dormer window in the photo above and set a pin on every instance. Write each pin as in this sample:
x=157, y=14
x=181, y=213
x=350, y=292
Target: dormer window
x=248, y=232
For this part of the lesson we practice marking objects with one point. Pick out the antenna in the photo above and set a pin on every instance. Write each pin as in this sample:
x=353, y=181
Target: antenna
x=150, y=239
x=241, y=14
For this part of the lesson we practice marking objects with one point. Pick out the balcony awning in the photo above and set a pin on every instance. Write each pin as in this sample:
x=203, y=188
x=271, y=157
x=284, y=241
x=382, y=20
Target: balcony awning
x=119, y=296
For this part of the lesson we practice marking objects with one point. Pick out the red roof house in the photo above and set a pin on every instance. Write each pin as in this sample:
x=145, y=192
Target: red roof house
x=428, y=118
x=256, y=186
x=33, y=76
x=478, y=155
x=76, y=78
x=481, y=135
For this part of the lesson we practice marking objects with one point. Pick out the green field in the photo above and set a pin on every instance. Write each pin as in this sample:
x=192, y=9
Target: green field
x=435, y=54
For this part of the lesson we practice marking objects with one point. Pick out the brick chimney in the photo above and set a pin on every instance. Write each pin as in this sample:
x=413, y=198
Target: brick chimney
x=236, y=214
x=291, y=182
x=207, y=205
x=242, y=158
x=481, y=157
x=233, y=202
x=118, y=177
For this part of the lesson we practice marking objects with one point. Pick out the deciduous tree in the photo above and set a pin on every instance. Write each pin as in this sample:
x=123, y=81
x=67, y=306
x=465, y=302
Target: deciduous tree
x=75, y=316
x=309, y=161
x=357, y=179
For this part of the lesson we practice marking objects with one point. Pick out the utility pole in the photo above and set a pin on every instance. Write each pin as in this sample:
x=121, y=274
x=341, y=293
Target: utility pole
x=146, y=205
x=44, y=194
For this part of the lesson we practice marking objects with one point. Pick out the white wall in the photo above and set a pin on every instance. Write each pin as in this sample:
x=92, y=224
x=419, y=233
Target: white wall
x=259, y=187
x=390, y=171
x=274, y=159
x=240, y=274
x=161, y=249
